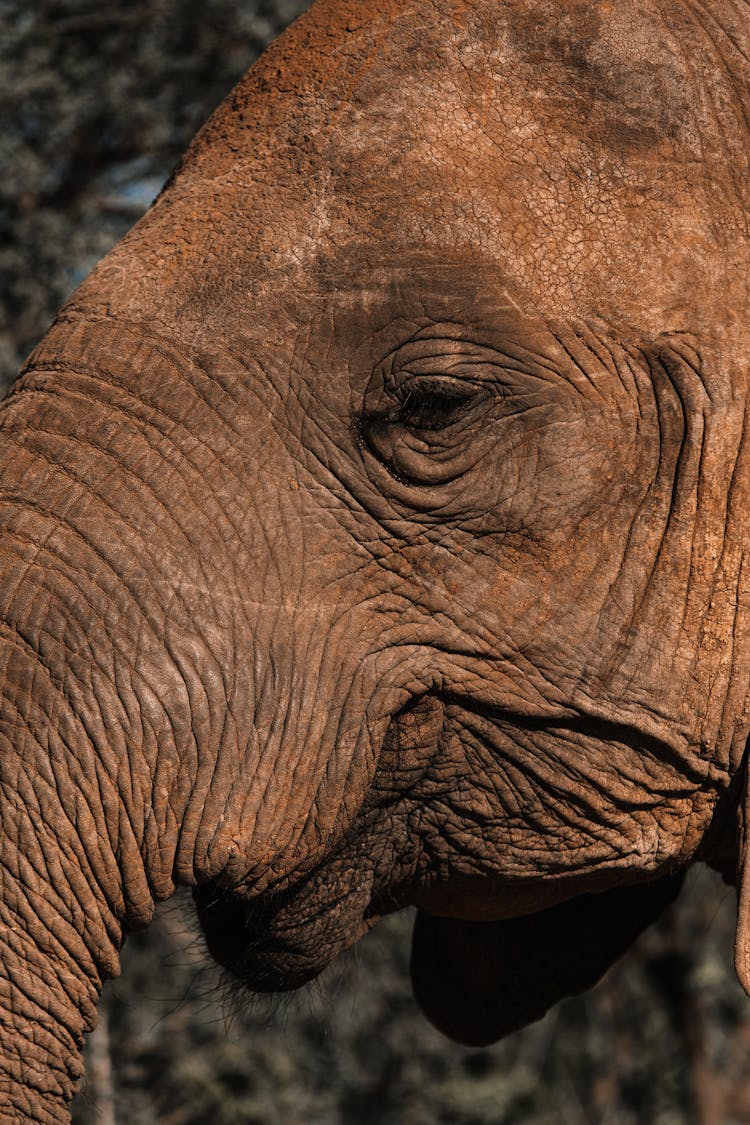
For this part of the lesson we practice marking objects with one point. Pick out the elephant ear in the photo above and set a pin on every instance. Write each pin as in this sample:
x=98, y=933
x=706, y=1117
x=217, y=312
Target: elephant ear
x=479, y=981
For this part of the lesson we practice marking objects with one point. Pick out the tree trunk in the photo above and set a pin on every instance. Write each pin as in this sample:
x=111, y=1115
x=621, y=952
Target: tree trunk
x=99, y=1079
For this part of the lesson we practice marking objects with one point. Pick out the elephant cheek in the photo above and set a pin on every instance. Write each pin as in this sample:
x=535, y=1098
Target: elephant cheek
x=479, y=981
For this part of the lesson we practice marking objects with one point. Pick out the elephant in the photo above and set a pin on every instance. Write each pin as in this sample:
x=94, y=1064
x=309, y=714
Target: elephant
x=371, y=524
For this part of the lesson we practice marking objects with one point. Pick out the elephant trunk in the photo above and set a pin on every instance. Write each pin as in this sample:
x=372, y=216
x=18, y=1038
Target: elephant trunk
x=60, y=930
x=101, y=716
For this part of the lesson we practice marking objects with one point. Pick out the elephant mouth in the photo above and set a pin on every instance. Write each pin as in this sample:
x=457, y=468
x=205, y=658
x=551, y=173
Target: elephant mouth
x=476, y=981
x=490, y=953
x=278, y=942
x=279, y=939
x=480, y=981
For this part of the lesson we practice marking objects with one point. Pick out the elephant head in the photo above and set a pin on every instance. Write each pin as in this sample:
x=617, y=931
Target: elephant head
x=373, y=518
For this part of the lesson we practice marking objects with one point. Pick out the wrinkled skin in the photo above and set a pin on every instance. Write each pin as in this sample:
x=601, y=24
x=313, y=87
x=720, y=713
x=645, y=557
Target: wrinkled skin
x=372, y=522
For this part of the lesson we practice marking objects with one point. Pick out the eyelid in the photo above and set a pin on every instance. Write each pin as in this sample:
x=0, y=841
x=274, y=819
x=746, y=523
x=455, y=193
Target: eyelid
x=422, y=407
x=457, y=358
x=438, y=380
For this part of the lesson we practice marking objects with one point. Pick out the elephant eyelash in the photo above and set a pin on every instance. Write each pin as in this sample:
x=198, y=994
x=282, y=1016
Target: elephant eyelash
x=436, y=402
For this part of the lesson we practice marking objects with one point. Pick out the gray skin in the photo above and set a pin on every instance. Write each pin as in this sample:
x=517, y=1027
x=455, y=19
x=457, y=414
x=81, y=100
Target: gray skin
x=372, y=523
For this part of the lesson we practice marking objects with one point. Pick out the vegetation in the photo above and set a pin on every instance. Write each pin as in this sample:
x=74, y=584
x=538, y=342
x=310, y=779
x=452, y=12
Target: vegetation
x=98, y=100
x=663, y=1039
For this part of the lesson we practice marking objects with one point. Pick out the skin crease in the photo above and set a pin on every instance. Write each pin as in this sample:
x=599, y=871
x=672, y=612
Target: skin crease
x=371, y=523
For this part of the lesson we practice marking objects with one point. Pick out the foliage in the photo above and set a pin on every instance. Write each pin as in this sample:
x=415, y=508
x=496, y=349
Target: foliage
x=662, y=1040
x=98, y=101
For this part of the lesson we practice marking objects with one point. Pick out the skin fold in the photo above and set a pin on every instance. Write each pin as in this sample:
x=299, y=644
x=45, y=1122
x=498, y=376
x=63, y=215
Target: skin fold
x=373, y=518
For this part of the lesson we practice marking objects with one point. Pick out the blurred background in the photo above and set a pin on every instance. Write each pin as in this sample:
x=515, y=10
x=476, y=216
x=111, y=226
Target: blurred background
x=97, y=101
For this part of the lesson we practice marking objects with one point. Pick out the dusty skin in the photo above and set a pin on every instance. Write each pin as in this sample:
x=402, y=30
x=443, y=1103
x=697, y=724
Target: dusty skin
x=372, y=523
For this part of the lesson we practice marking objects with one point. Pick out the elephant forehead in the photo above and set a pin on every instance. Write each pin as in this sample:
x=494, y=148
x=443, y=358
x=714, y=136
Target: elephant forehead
x=581, y=150
x=574, y=148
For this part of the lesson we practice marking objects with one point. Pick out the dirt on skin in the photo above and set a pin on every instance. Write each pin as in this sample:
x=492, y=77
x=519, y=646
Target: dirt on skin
x=357, y=1050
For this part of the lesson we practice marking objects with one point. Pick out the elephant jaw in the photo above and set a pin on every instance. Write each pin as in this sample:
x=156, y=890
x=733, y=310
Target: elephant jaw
x=478, y=981
x=489, y=954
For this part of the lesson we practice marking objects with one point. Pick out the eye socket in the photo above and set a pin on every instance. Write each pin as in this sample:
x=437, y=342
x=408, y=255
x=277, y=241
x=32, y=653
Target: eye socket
x=423, y=429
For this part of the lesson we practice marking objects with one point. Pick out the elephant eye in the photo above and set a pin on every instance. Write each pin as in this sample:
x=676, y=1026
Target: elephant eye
x=423, y=428
x=435, y=402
